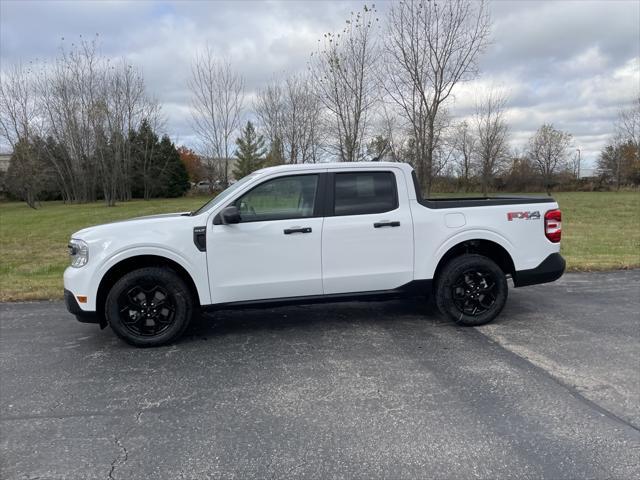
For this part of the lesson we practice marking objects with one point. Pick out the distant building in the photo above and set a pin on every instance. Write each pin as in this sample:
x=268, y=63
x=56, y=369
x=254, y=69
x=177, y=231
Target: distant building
x=5, y=159
x=588, y=173
x=217, y=165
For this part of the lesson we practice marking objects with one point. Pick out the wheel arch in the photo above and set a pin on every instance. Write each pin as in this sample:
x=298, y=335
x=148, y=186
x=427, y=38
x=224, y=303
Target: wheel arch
x=135, y=262
x=488, y=248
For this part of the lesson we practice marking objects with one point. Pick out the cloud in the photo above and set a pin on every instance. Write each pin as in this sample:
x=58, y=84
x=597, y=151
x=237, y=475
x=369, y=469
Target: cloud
x=573, y=64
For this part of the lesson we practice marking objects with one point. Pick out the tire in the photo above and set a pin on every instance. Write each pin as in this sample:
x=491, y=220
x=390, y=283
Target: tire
x=471, y=290
x=149, y=307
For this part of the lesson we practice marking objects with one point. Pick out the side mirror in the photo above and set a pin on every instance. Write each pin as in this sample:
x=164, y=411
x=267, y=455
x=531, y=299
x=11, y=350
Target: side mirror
x=231, y=214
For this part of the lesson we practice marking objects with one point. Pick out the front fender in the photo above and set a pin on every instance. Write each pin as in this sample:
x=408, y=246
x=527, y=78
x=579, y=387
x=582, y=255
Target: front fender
x=197, y=270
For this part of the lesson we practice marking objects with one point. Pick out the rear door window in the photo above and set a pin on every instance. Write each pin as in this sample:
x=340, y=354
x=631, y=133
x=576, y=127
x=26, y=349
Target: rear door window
x=362, y=193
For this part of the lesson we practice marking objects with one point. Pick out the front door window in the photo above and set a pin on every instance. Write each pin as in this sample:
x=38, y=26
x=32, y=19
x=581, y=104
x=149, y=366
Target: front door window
x=282, y=198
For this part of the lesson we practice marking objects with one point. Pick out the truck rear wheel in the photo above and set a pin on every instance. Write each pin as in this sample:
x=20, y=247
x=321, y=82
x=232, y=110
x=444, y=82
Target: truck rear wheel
x=471, y=290
x=149, y=307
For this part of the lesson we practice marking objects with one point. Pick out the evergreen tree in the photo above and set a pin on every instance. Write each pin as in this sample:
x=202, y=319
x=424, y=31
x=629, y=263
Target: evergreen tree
x=274, y=156
x=144, y=144
x=24, y=179
x=157, y=170
x=250, y=152
x=174, y=177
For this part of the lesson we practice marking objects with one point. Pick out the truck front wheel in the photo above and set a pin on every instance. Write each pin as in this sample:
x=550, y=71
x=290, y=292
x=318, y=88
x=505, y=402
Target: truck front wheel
x=471, y=290
x=149, y=307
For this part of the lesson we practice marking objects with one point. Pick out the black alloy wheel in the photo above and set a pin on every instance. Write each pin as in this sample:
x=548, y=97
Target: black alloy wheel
x=149, y=307
x=146, y=309
x=474, y=293
x=471, y=290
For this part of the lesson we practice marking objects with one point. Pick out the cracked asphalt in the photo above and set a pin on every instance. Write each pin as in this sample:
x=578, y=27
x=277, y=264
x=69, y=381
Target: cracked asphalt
x=356, y=390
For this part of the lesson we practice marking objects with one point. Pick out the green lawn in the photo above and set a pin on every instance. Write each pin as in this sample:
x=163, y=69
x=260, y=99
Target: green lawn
x=600, y=231
x=33, y=243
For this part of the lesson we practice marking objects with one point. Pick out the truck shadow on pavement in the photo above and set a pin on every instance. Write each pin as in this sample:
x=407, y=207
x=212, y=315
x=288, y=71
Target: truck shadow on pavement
x=306, y=318
x=345, y=315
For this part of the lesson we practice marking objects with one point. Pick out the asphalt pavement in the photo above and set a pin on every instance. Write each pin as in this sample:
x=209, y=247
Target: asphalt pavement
x=356, y=390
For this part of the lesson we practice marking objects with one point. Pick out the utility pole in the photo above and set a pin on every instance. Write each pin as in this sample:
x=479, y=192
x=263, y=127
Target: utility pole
x=578, y=150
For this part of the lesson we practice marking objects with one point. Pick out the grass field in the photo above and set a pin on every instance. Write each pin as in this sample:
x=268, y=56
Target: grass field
x=600, y=231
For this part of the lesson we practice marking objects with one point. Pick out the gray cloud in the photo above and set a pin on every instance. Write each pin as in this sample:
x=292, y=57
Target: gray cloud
x=573, y=64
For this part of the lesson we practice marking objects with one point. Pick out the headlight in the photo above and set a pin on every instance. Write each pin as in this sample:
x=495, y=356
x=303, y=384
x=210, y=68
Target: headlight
x=78, y=253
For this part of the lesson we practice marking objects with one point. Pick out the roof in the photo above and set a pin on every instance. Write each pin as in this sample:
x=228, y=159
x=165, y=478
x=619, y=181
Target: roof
x=335, y=165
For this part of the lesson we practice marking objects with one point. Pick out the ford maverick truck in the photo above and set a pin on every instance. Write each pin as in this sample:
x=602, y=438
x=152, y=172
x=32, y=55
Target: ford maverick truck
x=307, y=234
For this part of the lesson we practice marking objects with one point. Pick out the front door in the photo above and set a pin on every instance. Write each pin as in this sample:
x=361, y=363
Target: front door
x=367, y=238
x=275, y=251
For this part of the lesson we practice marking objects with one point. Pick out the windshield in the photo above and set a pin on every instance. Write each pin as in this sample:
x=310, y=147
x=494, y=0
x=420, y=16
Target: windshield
x=224, y=194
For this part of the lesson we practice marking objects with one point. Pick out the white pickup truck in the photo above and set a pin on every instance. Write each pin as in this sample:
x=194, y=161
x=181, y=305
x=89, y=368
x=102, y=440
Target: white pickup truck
x=306, y=234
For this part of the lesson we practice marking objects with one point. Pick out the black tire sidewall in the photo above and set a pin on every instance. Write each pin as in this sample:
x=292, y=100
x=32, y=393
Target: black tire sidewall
x=452, y=272
x=173, y=283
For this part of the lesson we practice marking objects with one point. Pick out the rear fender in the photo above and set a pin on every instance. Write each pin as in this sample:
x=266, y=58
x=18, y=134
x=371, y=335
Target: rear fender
x=465, y=236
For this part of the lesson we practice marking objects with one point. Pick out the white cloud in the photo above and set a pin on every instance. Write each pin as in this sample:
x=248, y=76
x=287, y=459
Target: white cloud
x=589, y=61
x=573, y=64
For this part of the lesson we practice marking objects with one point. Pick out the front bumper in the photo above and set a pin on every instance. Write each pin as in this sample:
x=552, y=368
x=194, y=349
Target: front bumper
x=81, y=315
x=79, y=281
x=549, y=270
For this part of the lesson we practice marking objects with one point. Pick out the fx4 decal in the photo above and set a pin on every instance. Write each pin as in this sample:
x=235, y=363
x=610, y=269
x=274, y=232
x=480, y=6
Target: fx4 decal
x=523, y=215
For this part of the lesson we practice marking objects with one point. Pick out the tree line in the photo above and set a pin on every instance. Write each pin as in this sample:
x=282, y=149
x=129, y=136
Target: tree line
x=379, y=88
x=619, y=161
x=84, y=128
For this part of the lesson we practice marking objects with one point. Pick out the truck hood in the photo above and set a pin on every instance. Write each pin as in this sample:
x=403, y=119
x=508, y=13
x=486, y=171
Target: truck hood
x=128, y=225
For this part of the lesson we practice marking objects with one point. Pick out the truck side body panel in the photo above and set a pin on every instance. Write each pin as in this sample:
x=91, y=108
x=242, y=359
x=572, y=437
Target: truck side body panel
x=436, y=231
x=335, y=254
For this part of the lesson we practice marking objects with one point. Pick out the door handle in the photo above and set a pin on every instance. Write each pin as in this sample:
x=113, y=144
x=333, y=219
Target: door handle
x=386, y=224
x=289, y=231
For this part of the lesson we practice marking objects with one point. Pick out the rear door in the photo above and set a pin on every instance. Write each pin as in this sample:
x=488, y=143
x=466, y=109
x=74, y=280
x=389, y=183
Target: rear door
x=367, y=237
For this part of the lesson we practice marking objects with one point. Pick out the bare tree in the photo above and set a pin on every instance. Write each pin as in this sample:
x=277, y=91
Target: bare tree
x=443, y=151
x=393, y=132
x=217, y=99
x=290, y=115
x=128, y=106
x=464, y=146
x=492, y=148
x=431, y=47
x=623, y=161
x=345, y=82
x=18, y=118
x=548, y=152
x=76, y=116
x=574, y=161
x=269, y=107
x=90, y=107
x=520, y=172
x=68, y=89
x=118, y=105
x=302, y=131
x=628, y=123
x=18, y=108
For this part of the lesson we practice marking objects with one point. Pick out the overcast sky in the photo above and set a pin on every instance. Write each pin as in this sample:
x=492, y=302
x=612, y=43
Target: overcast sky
x=570, y=63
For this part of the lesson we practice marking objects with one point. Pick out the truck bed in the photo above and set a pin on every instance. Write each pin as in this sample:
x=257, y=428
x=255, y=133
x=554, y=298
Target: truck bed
x=481, y=201
x=464, y=202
